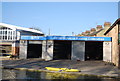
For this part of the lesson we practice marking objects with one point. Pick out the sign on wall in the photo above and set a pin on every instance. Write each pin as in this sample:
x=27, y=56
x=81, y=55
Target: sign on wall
x=32, y=38
x=80, y=38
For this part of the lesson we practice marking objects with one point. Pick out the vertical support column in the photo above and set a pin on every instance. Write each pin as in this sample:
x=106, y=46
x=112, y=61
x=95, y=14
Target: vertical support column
x=7, y=33
x=3, y=34
x=47, y=50
x=23, y=49
x=15, y=48
x=50, y=44
x=78, y=50
x=107, y=56
x=12, y=35
x=44, y=49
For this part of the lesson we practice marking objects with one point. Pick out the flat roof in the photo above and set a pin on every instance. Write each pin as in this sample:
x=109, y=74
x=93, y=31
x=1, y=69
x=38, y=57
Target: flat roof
x=72, y=38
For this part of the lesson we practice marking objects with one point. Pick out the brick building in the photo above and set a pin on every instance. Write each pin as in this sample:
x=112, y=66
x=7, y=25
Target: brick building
x=98, y=31
x=114, y=32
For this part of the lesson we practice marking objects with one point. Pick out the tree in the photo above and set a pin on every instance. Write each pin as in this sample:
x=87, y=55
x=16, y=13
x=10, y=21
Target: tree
x=36, y=28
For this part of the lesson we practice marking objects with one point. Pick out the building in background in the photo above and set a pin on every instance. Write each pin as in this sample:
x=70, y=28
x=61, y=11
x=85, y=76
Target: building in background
x=114, y=32
x=10, y=37
x=98, y=31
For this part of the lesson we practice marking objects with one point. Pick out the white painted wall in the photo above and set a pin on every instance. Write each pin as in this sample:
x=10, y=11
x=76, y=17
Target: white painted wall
x=107, y=51
x=44, y=51
x=47, y=50
x=23, y=49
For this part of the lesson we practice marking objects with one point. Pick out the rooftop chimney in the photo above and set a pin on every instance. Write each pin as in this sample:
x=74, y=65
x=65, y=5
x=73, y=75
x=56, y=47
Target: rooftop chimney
x=79, y=35
x=87, y=32
x=92, y=30
x=83, y=33
x=98, y=27
x=107, y=24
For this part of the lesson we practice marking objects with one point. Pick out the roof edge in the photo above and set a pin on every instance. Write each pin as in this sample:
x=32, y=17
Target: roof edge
x=20, y=28
x=114, y=24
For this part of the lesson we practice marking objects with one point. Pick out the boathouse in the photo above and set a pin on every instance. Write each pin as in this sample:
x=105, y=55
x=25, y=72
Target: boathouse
x=66, y=47
x=10, y=37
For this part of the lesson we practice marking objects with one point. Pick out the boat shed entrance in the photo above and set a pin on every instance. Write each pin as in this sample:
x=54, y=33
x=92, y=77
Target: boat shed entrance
x=94, y=50
x=34, y=49
x=71, y=47
x=62, y=49
x=31, y=47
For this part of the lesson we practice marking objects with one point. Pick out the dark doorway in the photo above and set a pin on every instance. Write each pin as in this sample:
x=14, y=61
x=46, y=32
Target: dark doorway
x=93, y=50
x=62, y=50
x=34, y=51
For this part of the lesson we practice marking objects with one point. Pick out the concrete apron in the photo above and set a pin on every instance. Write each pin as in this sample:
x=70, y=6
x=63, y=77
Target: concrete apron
x=79, y=73
x=85, y=68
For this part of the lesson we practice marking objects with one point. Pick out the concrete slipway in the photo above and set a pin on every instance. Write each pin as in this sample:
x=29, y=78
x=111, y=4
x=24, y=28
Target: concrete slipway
x=96, y=68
